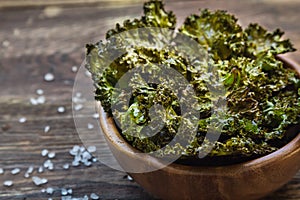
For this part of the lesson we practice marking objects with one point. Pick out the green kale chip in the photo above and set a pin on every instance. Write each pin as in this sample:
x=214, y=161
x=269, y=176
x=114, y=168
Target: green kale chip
x=154, y=16
x=262, y=94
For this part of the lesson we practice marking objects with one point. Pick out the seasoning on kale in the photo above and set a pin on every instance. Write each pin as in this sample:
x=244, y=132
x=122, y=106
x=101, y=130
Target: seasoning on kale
x=262, y=95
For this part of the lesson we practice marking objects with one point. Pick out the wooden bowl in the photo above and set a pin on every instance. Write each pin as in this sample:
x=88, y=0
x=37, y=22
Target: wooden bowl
x=248, y=180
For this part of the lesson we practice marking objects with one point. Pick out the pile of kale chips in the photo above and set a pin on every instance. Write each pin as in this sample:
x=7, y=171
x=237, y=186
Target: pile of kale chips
x=262, y=95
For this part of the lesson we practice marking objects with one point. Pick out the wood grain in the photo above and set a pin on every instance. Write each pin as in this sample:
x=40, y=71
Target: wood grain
x=35, y=40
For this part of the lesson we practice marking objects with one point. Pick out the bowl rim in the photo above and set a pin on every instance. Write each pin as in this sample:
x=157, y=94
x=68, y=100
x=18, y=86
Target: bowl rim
x=291, y=149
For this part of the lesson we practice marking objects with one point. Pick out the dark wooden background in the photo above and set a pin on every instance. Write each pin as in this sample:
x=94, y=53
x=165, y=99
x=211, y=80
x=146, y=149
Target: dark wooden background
x=39, y=36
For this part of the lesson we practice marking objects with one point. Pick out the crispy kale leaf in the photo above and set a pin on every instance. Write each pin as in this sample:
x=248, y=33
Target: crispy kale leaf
x=262, y=95
x=154, y=16
x=217, y=31
x=259, y=41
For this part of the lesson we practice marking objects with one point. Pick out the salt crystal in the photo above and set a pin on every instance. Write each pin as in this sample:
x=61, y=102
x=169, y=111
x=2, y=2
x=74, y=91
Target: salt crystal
x=64, y=192
x=49, y=77
x=86, y=155
x=1, y=171
x=94, y=160
x=78, y=94
x=74, y=69
x=74, y=150
x=16, y=32
x=78, y=107
x=82, y=149
x=28, y=172
x=94, y=196
x=33, y=101
x=40, y=169
x=30, y=169
x=6, y=43
x=8, y=183
x=70, y=191
x=49, y=190
x=95, y=115
x=44, y=152
x=39, y=181
x=49, y=198
x=88, y=74
x=51, y=167
x=61, y=109
x=43, y=190
x=68, y=82
x=40, y=91
x=66, y=166
x=75, y=163
x=15, y=171
x=48, y=164
x=46, y=129
x=87, y=163
x=129, y=178
x=41, y=100
x=91, y=149
x=22, y=120
x=90, y=126
x=51, y=155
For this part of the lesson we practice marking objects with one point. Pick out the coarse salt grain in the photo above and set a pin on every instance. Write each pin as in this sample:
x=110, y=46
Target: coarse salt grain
x=49, y=190
x=44, y=152
x=40, y=91
x=51, y=155
x=91, y=149
x=70, y=191
x=74, y=69
x=74, y=151
x=40, y=169
x=8, y=183
x=22, y=120
x=39, y=181
x=90, y=126
x=88, y=74
x=46, y=129
x=87, y=163
x=94, y=196
x=49, y=77
x=129, y=178
x=78, y=94
x=6, y=43
x=66, y=166
x=41, y=100
x=75, y=163
x=48, y=164
x=95, y=115
x=61, y=109
x=15, y=171
x=33, y=101
x=30, y=169
x=16, y=32
x=1, y=171
x=78, y=107
x=64, y=192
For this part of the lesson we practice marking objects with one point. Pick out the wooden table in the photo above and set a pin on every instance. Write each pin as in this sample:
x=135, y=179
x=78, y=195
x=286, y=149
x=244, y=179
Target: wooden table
x=50, y=37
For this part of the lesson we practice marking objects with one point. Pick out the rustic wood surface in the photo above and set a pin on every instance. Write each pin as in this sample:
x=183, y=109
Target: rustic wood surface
x=50, y=37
